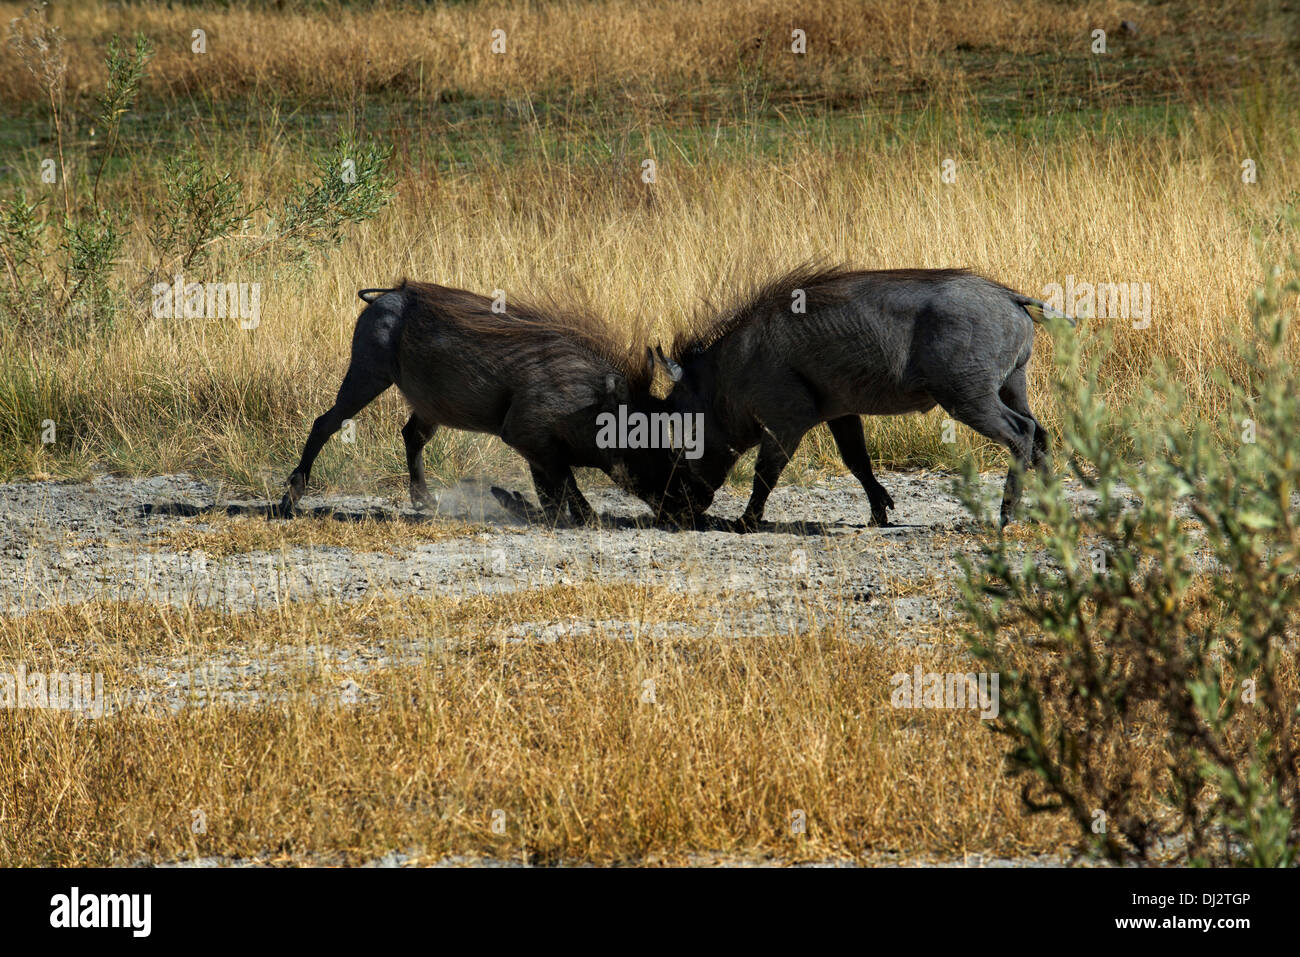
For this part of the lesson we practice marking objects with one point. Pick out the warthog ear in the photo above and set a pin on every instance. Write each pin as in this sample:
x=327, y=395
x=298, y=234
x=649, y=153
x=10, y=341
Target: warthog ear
x=672, y=368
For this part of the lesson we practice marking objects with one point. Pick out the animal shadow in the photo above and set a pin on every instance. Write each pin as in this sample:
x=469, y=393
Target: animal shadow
x=518, y=506
x=272, y=511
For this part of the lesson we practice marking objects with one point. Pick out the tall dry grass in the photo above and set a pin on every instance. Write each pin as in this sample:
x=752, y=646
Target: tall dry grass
x=525, y=201
x=338, y=50
x=1172, y=214
x=585, y=760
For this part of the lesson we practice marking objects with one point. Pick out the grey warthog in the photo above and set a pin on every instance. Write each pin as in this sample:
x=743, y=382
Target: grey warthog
x=865, y=343
x=536, y=377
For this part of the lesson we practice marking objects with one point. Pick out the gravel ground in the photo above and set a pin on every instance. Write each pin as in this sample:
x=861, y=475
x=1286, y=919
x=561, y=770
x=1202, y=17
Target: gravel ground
x=816, y=558
x=69, y=542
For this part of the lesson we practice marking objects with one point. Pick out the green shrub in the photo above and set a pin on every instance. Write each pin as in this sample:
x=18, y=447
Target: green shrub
x=1147, y=640
x=62, y=270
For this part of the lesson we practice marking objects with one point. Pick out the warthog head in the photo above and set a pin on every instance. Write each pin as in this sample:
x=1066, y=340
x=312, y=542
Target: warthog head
x=694, y=392
x=659, y=476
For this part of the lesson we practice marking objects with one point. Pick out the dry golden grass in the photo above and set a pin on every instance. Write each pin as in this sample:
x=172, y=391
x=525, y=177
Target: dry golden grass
x=1128, y=201
x=742, y=732
x=114, y=634
x=168, y=395
x=219, y=535
x=328, y=731
x=343, y=51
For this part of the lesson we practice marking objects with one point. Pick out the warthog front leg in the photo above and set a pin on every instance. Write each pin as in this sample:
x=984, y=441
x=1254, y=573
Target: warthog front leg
x=773, y=455
x=517, y=505
x=558, y=492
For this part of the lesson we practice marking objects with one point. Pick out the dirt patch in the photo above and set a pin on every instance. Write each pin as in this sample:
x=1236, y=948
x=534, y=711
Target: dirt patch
x=180, y=540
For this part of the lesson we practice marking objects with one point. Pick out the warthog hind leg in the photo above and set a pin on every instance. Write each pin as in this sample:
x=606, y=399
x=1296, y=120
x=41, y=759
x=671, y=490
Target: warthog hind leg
x=416, y=434
x=358, y=390
x=852, y=442
x=1015, y=393
x=992, y=418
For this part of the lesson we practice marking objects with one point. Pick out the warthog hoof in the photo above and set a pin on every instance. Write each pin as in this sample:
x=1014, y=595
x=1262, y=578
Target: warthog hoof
x=881, y=501
x=422, y=499
x=297, y=485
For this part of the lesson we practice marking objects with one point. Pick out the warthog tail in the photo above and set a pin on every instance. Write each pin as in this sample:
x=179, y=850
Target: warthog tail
x=370, y=295
x=1040, y=311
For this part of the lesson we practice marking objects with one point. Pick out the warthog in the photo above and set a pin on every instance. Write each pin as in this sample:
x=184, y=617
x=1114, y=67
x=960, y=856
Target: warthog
x=536, y=377
x=863, y=343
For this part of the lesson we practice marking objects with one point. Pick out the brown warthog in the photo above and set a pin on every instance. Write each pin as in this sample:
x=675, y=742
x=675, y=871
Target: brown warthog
x=536, y=377
x=831, y=344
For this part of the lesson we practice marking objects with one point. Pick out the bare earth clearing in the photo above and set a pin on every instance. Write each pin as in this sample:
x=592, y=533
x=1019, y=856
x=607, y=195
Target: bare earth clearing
x=118, y=539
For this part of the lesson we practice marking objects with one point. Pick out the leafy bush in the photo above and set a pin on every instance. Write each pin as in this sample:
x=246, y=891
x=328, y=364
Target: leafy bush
x=351, y=186
x=1148, y=647
x=62, y=270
